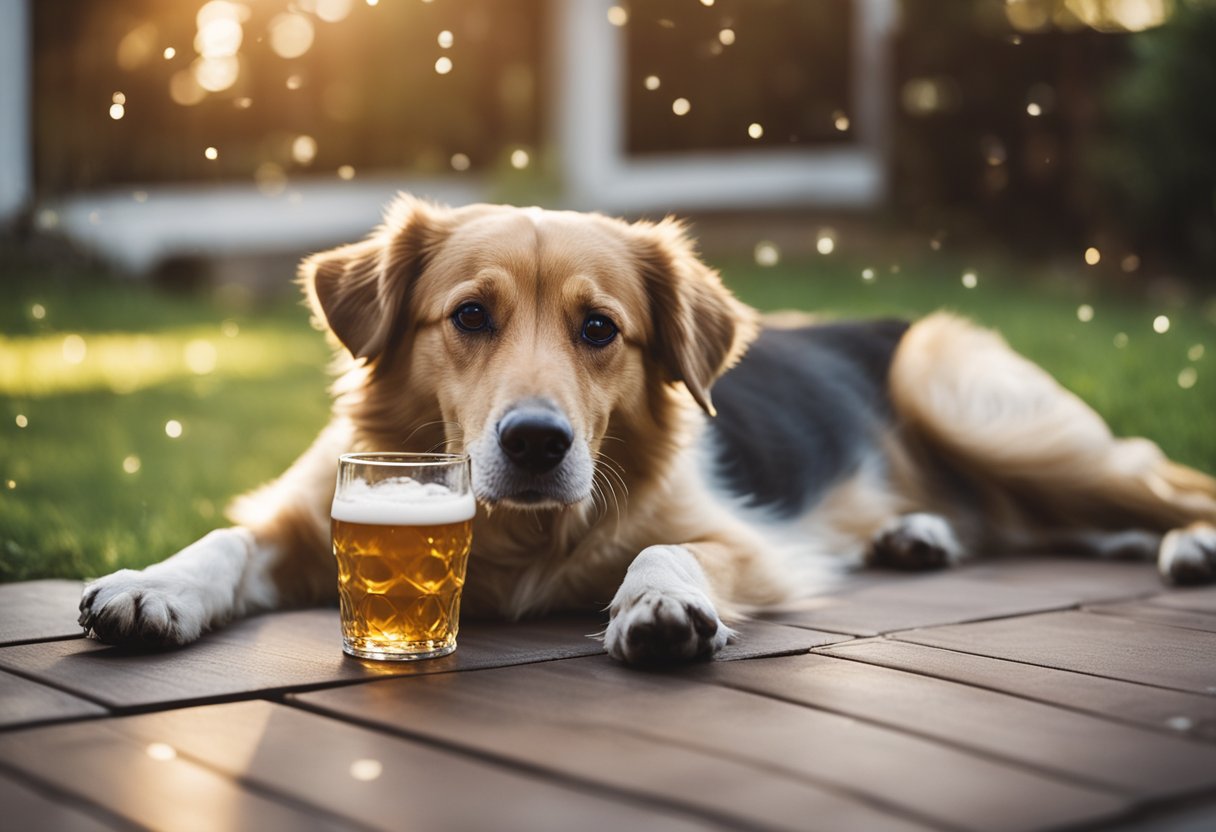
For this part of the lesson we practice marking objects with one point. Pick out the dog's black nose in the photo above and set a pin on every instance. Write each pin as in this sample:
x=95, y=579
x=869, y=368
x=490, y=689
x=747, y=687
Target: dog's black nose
x=536, y=439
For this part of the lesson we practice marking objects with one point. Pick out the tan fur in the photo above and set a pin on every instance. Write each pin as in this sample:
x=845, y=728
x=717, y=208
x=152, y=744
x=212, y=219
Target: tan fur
x=1039, y=458
x=982, y=437
x=388, y=300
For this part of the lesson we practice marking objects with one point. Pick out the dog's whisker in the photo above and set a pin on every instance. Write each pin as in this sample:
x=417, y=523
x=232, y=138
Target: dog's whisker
x=430, y=424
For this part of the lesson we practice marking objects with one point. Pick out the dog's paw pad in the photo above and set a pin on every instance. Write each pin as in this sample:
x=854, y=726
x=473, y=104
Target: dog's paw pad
x=662, y=629
x=915, y=542
x=1188, y=556
x=129, y=609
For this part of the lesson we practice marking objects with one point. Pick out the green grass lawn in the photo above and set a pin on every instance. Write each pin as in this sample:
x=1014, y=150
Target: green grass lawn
x=92, y=371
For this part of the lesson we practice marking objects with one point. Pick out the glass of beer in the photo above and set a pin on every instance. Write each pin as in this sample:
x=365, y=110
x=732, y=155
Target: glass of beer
x=402, y=526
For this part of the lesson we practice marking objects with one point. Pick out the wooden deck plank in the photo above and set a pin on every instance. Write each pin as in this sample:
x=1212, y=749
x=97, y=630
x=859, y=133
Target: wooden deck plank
x=758, y=639
x=23, y=702
x=988, y=588
x=27, y=808
x=1065, y=743
x=275, y=652
x=922, y=601
x=1196, y=599
x=514, y=712
x=99, y=763
x=1088, y=580
x=39, y=611
x=1158, y=614
x=546, y=730
x=1152, y=707
x=1103, y=645
x=380, y=780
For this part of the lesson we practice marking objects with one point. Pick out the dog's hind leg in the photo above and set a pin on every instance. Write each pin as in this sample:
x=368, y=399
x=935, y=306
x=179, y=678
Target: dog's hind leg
x=277, y=557
x=1042, y=463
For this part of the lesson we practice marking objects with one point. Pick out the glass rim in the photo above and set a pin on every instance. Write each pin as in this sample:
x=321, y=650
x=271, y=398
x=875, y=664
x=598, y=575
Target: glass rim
x=395, y=459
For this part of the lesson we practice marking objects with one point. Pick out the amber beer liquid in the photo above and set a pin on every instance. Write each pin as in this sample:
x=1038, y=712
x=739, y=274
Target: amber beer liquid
x=401, y=548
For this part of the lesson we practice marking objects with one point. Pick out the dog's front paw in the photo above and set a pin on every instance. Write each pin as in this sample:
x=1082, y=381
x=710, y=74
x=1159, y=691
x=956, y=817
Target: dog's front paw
x=658, y=628
x=1188, y=556
x=133, y=608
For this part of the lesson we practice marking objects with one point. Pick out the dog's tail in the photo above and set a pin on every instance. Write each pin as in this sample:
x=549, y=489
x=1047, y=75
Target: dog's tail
x=1001, y=420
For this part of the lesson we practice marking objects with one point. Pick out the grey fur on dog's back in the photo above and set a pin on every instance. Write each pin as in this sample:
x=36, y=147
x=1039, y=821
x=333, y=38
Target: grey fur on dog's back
x=801, y=408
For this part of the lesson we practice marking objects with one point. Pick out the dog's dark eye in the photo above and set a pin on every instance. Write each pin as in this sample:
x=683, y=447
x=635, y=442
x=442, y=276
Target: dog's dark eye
x=598, y=331
x=471, y=317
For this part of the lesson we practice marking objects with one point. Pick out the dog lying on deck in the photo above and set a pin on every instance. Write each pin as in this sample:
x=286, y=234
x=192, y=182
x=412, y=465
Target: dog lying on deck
x=572, y=356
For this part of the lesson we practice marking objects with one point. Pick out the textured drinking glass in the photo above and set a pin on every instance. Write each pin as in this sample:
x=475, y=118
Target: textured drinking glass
x=402, y=525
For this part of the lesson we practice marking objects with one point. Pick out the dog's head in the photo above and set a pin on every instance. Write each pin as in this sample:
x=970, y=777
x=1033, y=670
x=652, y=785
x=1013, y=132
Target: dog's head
x=538, y=333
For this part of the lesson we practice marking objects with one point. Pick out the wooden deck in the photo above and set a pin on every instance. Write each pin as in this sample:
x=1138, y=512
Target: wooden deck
x=1010, y=695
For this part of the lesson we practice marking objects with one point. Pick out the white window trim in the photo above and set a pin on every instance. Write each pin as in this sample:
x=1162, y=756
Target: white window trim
x=598, y=173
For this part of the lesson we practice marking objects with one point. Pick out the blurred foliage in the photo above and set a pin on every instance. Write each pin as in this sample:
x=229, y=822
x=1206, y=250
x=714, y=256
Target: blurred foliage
x=1157, y=169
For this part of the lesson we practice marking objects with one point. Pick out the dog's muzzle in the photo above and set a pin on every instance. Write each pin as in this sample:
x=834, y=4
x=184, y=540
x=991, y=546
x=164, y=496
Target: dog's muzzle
x=531, y=457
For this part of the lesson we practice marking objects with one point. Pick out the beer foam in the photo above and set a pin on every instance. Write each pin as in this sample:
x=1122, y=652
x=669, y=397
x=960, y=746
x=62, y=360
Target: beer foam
x=402, y=501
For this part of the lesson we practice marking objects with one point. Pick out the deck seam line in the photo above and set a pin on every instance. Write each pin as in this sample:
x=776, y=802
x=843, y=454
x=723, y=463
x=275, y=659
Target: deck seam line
x=76, y=800
x=56, y=686
x=1162, y=729
x=895, y=637
x=1046, y=773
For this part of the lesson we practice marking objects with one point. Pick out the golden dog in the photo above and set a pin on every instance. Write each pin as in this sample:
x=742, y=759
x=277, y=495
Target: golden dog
x=573, y=357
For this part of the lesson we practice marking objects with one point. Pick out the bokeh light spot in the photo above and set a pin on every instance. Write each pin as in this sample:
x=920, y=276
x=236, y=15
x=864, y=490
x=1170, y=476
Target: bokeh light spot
x=970, y=280
x=304, y=149
x=1187, y=378
x=652, y=82
x=291, y=35
x=617, y=16
x=1161, y=324
x=211, y=153
x=445, y=39
x=1195, y=352
x=767, y=254
x=74, y=349
x=726, y=37
x=366, y=770
x=460, y=162
x=755, y=130
x=161, y=751
x=443, y=65
x=346, y=172
x=131, y=464
x=200, y=356
x=333, y=11
x=681, y=106
x=22, y=421
x=173, y=429
x=1085, y=313
x=1092, y=256
x=519, y=159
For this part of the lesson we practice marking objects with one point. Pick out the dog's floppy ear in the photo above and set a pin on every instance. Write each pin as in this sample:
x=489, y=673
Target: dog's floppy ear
x=360, y=291
x=700, y=328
